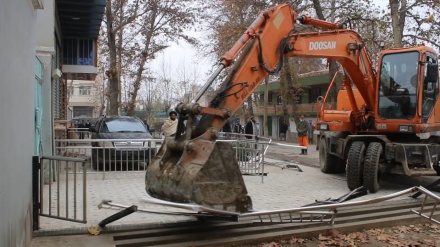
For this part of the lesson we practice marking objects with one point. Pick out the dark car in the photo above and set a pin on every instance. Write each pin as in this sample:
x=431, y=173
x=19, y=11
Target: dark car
x=130, y=152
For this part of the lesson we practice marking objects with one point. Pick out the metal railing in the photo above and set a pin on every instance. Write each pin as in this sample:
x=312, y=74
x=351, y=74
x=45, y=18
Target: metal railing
x=60, y=189
x=250, y=151
x=103, y=155
x=122, y=155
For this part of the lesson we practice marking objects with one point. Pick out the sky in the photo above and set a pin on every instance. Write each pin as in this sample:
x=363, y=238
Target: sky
x=182, y=52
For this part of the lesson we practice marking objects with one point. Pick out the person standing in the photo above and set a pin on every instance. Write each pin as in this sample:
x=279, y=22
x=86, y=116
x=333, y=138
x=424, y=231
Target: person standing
x=251, y=128
x=169, y=127
x=227, y=127
x=237, y=126
x=87, y=125
x=303, y=130
x=81, y=129
x=283, y=130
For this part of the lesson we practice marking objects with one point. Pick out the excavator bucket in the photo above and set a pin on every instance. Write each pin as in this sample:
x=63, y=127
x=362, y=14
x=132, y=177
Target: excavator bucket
x=198, y=171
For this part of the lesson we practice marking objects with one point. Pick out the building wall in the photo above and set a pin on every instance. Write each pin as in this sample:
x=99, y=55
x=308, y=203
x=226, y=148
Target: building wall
x=45, y=50
x=78, y=100
x=17, y=49
x=75, y=99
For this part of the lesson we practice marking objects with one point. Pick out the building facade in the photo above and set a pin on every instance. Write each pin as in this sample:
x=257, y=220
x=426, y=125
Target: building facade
x=82, y=99
x=33, y=36
x=313, y=84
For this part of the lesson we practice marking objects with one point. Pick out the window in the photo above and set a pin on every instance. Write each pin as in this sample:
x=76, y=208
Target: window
x=79, y=111
x=70, y=91
x=430, y=86
x=123, y=125
x=398, y=85
x=85, y=90
x=279, y=100
x=314, y=93
x=270, y=98
x=78, y=52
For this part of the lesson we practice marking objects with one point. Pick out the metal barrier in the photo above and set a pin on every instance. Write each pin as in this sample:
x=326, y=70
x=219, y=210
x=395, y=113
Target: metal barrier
x=122, y=155
x=59, y=190
x=326, y=212
x=78, y=133
x=250, y=151
x=104, y=155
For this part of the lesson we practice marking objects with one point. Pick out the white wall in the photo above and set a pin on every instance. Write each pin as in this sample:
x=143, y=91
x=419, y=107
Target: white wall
x=82, y=100
x=45, y=49
x=17, y=49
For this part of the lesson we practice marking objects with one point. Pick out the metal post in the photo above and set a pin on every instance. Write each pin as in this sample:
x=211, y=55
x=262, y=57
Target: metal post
x=35, y=188
x=118, y=215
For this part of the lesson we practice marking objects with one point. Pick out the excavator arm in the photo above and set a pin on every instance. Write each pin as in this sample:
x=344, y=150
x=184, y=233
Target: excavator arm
x=258, y=52
x=343, y=46
x=193, y=167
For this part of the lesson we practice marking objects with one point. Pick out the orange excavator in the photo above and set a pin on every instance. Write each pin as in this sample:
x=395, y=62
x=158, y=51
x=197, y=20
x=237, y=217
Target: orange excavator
x=369, y=127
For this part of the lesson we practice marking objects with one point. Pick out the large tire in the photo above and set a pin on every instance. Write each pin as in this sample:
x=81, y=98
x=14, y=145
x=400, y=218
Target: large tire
x=355, y=161
x=327, y=162
x=371, y=167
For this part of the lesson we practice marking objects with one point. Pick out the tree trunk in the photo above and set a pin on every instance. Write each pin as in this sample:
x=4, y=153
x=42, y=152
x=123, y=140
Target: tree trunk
x=112, y=73
x=119, y=54
x=333, y=66
x=145, y=54
x=266, y=100
x=398, y=20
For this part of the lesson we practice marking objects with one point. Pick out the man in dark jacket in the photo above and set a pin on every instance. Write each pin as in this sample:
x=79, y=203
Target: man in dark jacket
x=250, y=128
x=283, y=130
x=303, y=130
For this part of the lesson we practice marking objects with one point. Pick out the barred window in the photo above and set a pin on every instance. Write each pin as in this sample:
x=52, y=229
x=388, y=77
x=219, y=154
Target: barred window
x=85, y=90
x=78, y=51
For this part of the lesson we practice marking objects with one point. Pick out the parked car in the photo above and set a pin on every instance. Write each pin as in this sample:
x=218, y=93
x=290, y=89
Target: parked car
x=125, y=153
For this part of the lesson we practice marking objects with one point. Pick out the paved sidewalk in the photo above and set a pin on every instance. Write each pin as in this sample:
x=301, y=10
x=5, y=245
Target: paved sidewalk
x=280, y=189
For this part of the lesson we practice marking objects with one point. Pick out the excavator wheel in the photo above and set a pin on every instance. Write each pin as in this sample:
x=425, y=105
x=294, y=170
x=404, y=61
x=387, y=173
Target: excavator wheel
x=327, y=162
x=198, y=171
x=371, y=166
x=355, y=162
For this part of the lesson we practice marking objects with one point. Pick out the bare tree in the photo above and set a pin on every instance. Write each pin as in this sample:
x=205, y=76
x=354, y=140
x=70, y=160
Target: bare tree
x=117, y=16
x=135, y=32
x=168, y=86
x=415, y=22
x=164, y=22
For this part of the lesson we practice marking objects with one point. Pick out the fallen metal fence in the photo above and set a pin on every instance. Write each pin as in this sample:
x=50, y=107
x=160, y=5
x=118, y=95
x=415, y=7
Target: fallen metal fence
x=316, y=213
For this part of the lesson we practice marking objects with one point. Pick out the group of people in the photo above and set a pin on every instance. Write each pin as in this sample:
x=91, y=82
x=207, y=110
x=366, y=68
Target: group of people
x=169, y=127
x=82, y=128
x=305, y=129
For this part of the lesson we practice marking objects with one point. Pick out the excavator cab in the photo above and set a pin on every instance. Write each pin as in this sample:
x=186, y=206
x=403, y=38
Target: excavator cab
x=407, y=79
x=398, y=85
